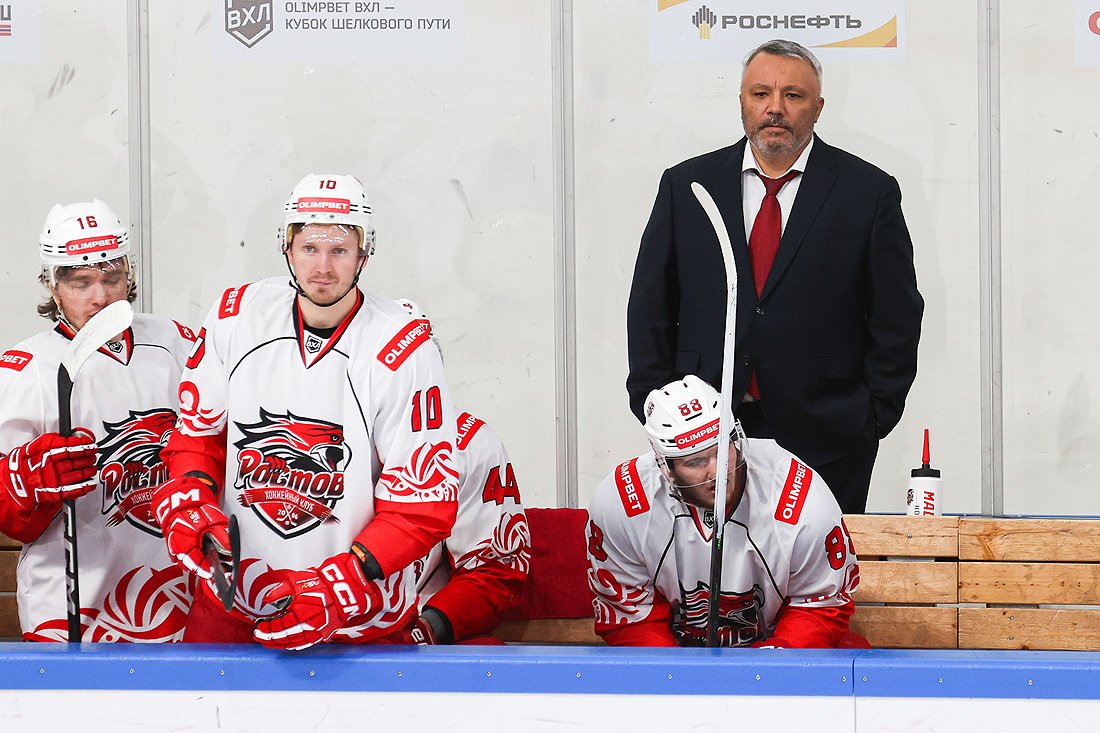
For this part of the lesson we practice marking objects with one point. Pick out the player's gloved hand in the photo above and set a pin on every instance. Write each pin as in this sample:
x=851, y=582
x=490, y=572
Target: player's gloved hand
x=187, y=509
x=314, y=603
x=50, y=469
x=422, y=632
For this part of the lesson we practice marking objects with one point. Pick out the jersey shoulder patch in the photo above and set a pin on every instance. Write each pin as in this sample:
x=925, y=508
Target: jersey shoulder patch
x=794, y=493
x=185, y=332
x=404, y=343
x=468, y=425
x=230, y=304
x=629, y=484
x=15, y=360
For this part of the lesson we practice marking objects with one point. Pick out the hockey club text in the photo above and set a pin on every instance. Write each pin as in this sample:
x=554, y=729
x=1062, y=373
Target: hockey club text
x=91, y=244
x=695, y=437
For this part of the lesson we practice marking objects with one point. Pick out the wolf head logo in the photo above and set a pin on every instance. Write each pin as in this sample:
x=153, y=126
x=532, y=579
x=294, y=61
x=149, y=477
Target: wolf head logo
x=291, y=470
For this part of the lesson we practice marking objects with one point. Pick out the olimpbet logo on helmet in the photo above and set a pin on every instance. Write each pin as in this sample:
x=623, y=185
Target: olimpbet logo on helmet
x=85, y=251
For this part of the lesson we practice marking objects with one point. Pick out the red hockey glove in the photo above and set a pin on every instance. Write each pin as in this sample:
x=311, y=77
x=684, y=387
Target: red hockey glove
x=50, y=469
x=187, y=509
x=316, y=602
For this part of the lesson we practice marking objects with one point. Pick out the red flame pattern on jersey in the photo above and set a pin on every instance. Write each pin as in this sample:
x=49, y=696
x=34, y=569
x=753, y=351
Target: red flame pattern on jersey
x=145, y=606
x=430, y=476
x=613, y=603
x=510, y=545
x=194, y=420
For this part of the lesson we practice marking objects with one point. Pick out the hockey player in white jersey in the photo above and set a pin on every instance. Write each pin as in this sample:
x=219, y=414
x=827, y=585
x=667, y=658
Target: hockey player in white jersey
x=468, y=582
x=124, y=399
x=789, y=567
x=310, y=410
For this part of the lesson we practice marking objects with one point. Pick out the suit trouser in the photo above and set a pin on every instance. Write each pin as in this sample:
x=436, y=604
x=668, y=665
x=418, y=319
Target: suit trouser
x=849, y=477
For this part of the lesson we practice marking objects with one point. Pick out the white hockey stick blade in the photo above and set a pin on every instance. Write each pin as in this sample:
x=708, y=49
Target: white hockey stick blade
x=725, y=426
x=725, y=416
x=100, y=329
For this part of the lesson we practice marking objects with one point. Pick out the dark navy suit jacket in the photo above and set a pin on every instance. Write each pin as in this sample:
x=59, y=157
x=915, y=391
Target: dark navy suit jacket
x=833, y=336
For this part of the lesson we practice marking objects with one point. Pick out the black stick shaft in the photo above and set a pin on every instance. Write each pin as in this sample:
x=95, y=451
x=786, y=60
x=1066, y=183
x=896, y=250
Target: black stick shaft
x=72, y=577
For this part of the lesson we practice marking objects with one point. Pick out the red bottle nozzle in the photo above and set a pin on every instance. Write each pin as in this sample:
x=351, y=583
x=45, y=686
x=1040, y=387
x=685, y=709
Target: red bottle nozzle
x=926, y=457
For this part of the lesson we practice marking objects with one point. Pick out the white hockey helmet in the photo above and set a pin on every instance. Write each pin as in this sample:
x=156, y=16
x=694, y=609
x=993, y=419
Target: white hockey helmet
x=682, y=419
x=81, y=234
x=328, y=199
x=415, y=311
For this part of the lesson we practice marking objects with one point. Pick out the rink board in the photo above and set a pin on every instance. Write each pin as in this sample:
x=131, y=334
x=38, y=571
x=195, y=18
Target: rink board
x=131, y=687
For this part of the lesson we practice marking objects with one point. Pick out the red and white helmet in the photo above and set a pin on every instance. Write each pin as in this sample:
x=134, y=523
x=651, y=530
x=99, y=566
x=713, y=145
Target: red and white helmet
x=81, y=234
x=682, y=418
x=329, y=199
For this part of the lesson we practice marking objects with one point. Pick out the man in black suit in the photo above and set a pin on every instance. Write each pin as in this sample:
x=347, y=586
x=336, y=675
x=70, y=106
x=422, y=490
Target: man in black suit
x=827, y=331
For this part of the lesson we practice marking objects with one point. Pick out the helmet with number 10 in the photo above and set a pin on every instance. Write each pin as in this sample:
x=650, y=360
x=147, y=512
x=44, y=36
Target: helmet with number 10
x=328, y=199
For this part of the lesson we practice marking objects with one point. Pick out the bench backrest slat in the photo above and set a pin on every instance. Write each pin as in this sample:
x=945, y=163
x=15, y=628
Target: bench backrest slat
x=907, y=582
x=1029, y=628
x=1036, y=540
x=891, y=535
x=1040, y=583
x=908, y=627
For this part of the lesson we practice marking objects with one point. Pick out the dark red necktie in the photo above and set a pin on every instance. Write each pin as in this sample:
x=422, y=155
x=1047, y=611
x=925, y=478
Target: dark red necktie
x=764, y=242
x=767, y=229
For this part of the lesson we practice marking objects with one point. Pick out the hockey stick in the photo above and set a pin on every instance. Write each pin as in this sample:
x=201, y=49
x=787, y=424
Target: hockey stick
x=725, y=426
x=225, y=585
x=100, y=329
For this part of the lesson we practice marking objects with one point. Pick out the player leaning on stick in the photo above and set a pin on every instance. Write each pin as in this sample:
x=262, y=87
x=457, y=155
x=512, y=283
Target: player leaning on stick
x=789, y=566
x=125, y=398
x=470, y=580
x=313, y=412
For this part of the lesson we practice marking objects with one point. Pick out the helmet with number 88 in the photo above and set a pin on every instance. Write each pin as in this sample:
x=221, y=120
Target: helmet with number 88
x=328, y=199
x=82, y=234
x=682, y=419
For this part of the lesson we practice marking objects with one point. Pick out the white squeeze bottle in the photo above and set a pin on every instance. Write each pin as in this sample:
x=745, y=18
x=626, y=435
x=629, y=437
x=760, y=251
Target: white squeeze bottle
x=923, y=497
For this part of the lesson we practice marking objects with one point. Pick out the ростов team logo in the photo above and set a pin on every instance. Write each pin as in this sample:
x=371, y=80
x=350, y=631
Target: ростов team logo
x=249, y=21
x=291, y=471
x=130, y=466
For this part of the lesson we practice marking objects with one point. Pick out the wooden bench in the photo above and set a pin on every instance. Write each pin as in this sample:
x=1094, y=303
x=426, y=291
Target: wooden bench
x=926, y=583
x=9, y=615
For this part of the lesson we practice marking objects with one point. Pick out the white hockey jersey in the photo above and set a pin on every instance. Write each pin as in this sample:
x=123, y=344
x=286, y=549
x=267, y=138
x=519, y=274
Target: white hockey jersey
x=785, y=543
x=308, y=433
x=130, y=590
x=474, y=575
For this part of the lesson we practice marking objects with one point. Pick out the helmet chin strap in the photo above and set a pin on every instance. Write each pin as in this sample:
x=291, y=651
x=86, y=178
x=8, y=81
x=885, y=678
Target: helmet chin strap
x=302, y=293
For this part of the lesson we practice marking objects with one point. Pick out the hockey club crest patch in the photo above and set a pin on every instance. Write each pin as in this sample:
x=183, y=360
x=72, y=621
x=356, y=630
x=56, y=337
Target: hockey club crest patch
x=740, y=616
x=794, y=493
x=629, y=484
x=130, y=466
x=15, y=360
x=312, y=344
x=290, y=471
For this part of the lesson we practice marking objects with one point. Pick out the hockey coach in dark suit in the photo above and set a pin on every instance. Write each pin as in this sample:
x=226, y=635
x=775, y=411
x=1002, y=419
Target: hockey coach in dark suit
x=828, y=313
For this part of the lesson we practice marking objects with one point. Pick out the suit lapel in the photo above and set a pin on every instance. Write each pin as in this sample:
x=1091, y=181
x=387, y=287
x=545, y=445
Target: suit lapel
x=725, y=189
x=817, y=181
